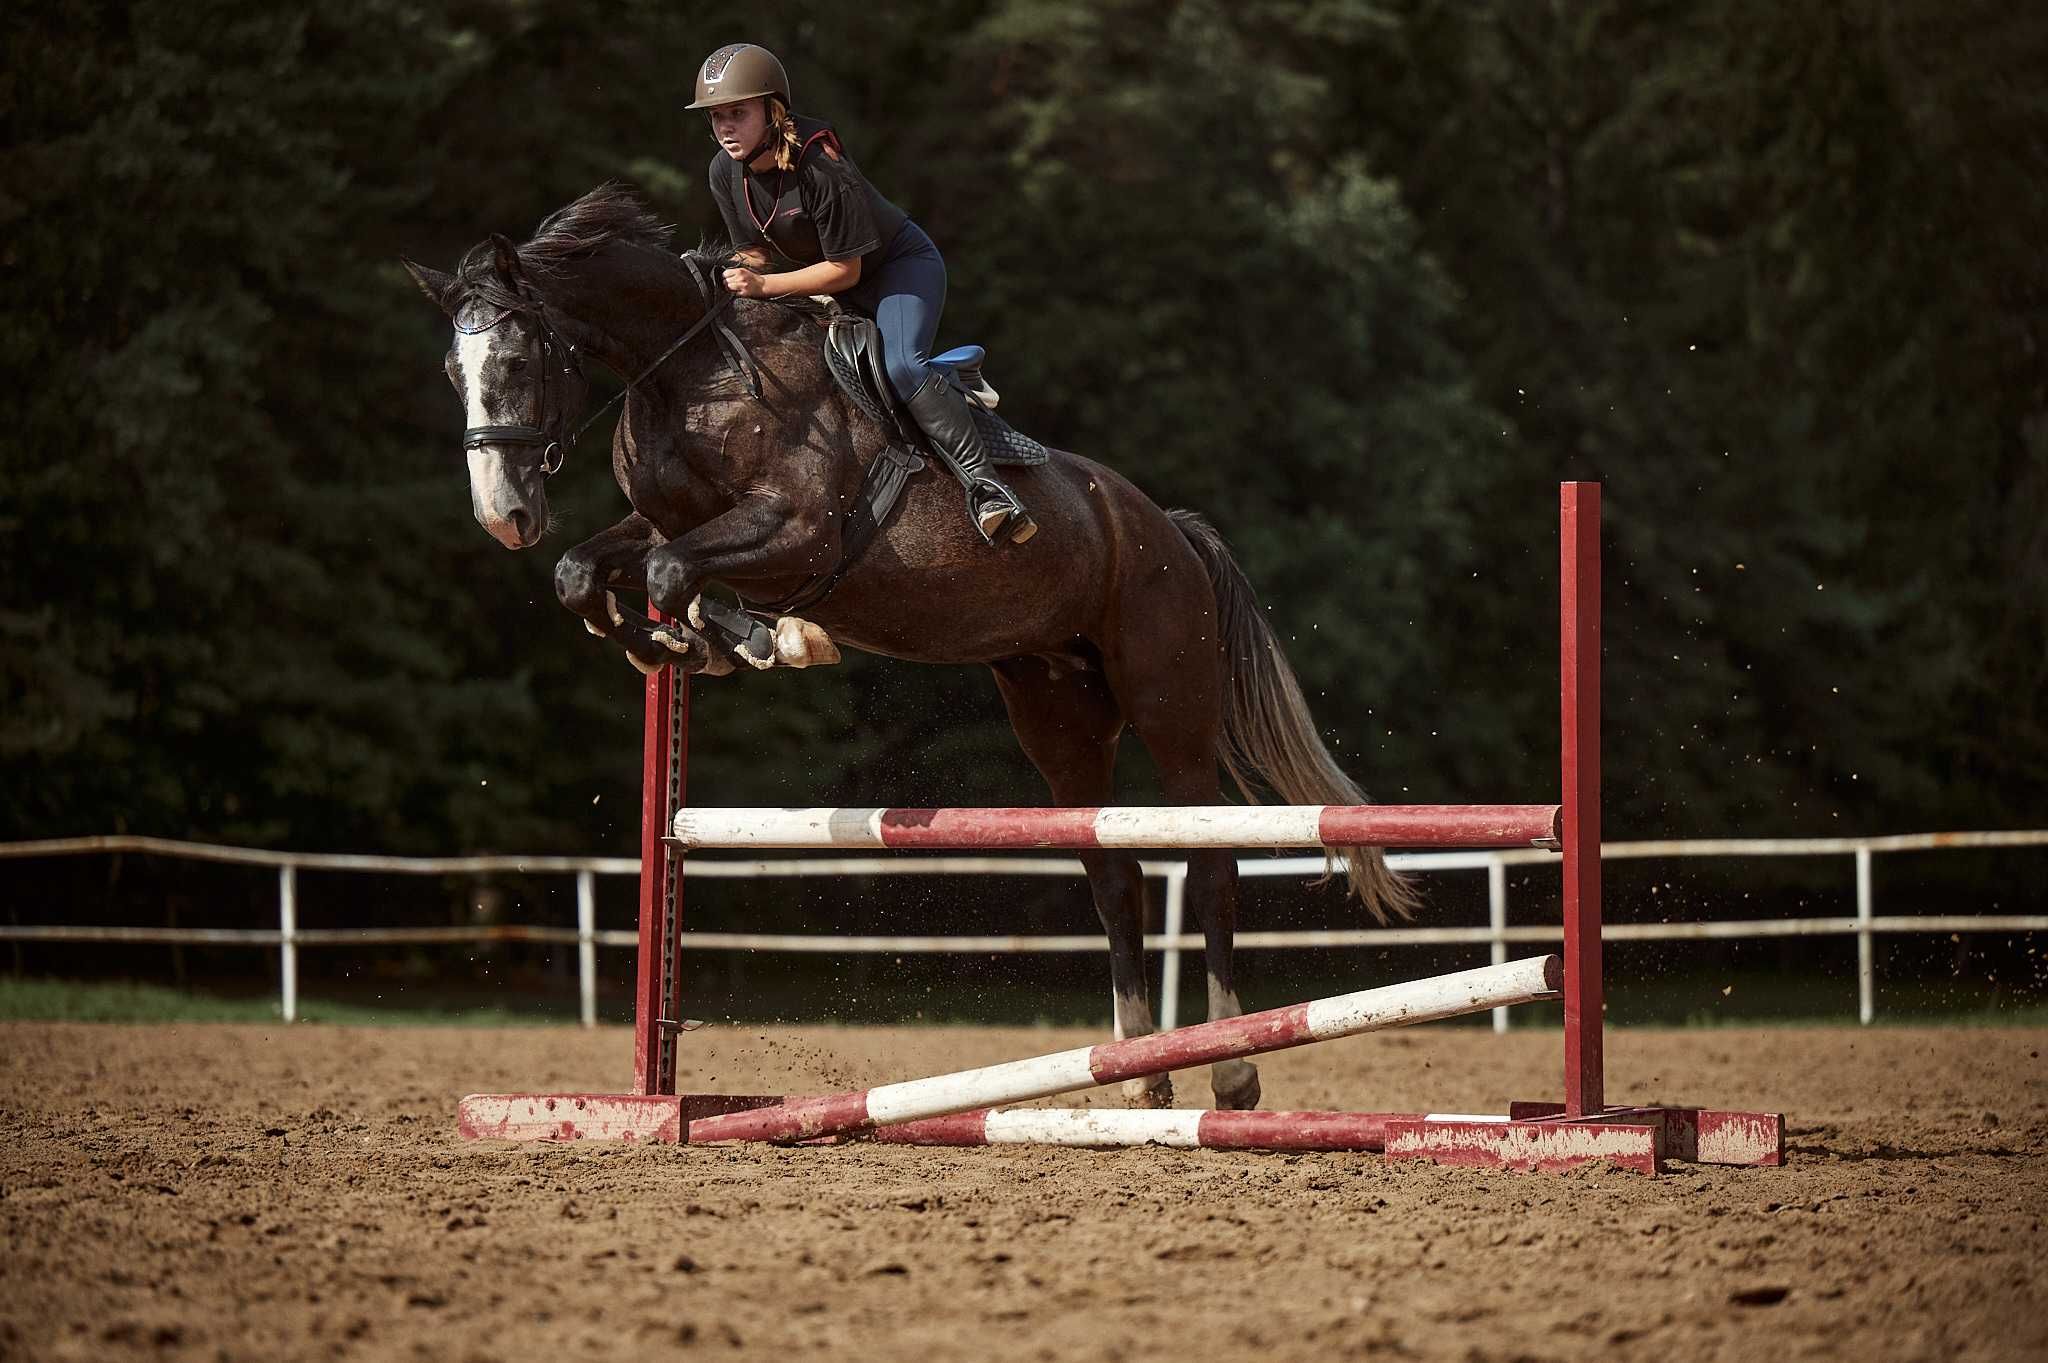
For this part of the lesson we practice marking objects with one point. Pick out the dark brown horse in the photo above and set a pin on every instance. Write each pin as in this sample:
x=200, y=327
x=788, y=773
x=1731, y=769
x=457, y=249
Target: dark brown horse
x=1117, y=613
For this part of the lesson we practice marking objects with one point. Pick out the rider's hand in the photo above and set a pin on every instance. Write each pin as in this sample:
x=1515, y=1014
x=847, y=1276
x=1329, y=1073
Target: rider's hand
x=753, y=257
x=746, y=283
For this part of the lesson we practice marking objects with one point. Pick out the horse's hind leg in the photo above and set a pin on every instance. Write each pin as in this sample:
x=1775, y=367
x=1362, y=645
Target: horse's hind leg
x=1068, y=725
x=1212, y=892
x=1176, y=707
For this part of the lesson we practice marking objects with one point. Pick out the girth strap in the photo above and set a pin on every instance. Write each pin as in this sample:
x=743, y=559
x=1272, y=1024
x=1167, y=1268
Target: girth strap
x=879, y=492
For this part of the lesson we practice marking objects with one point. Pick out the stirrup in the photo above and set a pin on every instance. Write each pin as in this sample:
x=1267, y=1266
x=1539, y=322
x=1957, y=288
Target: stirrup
x=992, y=506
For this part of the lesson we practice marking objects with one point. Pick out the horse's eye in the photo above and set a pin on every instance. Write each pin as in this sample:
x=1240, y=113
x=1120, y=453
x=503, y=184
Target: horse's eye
x=518, y=365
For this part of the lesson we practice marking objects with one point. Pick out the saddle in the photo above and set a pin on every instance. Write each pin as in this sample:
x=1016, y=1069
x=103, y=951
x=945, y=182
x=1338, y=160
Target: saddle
x=853, y=352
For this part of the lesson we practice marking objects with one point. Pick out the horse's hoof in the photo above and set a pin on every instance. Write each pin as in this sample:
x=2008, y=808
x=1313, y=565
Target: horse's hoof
x=645, y=669
x=1236, y=1086
x=799, y=643
x=592, y=627
x=611, y=608
x=1155, y=1090
x=694, y=612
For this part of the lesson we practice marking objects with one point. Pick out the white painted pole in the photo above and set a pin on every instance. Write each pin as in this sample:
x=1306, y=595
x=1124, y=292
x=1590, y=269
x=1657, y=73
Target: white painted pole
x=586, y=945
x=1276, y=1029
x=1169, y=970
x=1497, y=922
x=1866, y=962
x=288, y=944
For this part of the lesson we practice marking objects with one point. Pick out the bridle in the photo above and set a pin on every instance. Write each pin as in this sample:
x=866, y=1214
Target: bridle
x=552, y=343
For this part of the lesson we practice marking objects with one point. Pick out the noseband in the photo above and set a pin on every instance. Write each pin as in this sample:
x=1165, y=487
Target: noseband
x=716, y=300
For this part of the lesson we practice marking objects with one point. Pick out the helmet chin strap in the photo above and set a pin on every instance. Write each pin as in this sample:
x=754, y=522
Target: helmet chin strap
x=767, y=141
x=746, y=158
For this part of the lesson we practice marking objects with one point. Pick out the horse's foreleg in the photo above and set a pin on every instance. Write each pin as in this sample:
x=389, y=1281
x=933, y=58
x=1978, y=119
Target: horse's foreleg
x=762, y=536
x=588, y=579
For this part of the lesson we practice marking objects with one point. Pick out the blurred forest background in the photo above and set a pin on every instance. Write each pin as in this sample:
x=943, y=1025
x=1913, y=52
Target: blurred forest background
x=1361, y=280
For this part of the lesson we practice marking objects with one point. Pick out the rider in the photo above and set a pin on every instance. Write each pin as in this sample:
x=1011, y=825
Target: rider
x=789, y=193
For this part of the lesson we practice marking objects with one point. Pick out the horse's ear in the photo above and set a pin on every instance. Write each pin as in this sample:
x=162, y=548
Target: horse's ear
x=506, y=259
x=435, y=285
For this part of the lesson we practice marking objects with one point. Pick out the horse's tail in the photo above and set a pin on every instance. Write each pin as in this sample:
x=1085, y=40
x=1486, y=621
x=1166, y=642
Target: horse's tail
x=1269, y=737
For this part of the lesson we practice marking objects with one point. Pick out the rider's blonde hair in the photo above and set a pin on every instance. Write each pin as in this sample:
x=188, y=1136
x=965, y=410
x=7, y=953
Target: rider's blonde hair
x=789, y=143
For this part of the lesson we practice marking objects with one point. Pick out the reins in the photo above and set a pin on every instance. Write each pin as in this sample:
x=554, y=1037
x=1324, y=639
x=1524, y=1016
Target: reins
x=729, y=344
x=716, y=301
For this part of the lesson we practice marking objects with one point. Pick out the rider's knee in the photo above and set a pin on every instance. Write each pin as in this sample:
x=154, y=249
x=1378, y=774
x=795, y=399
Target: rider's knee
x=906, y=374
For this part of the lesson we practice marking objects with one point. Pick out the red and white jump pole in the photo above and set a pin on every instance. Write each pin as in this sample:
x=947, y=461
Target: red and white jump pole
x=1175, y=826
x=1580, y=1130
x=1175, y=1128
x=1276, y=1029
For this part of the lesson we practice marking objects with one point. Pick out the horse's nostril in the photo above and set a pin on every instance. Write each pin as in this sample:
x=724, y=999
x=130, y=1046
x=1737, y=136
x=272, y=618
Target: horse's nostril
x=522, y=524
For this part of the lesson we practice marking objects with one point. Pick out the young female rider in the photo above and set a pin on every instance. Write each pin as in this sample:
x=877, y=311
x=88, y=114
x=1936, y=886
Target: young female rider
x=791, y=196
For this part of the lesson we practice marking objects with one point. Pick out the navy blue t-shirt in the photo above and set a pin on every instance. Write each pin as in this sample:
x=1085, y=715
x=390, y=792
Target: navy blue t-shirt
x=824, y=209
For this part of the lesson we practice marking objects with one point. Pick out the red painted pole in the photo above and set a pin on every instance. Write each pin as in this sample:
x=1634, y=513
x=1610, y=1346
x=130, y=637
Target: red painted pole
x=665, y=757
x=1579, y=683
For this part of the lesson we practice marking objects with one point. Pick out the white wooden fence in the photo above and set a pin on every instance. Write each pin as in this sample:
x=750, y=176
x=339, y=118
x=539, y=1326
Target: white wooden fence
x=289, y=939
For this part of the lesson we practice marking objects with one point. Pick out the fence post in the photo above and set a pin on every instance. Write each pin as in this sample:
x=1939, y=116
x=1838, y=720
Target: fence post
x=288, y=939
x=586, y=945
x=1866, y=963
x=1497, y=920
x=1169, y=972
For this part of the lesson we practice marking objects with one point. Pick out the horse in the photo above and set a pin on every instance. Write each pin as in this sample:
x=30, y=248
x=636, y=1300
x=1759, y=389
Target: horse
x=743, y=464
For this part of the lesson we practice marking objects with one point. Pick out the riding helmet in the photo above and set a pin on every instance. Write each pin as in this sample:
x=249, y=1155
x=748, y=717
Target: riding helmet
x=740, y=71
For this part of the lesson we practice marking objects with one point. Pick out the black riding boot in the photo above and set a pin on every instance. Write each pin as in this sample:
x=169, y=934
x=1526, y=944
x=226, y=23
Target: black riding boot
x=941, y=410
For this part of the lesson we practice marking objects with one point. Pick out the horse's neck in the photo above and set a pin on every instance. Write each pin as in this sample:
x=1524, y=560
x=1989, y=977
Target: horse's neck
x=628, y=304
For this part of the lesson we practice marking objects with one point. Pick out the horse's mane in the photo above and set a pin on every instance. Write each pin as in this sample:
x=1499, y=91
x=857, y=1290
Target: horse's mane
x=713, y=251
x=611, y=213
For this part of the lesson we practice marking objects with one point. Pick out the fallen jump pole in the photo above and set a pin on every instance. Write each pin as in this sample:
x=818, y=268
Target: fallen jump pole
x=1276, y=1029
x=1182, y=826
x=1176, y=1128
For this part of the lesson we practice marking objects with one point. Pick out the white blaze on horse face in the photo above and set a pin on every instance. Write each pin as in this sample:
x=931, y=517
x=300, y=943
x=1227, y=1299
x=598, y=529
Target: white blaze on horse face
x=493, y=497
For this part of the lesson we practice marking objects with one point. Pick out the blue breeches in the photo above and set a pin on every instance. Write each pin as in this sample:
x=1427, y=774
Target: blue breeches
x=905, y=296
